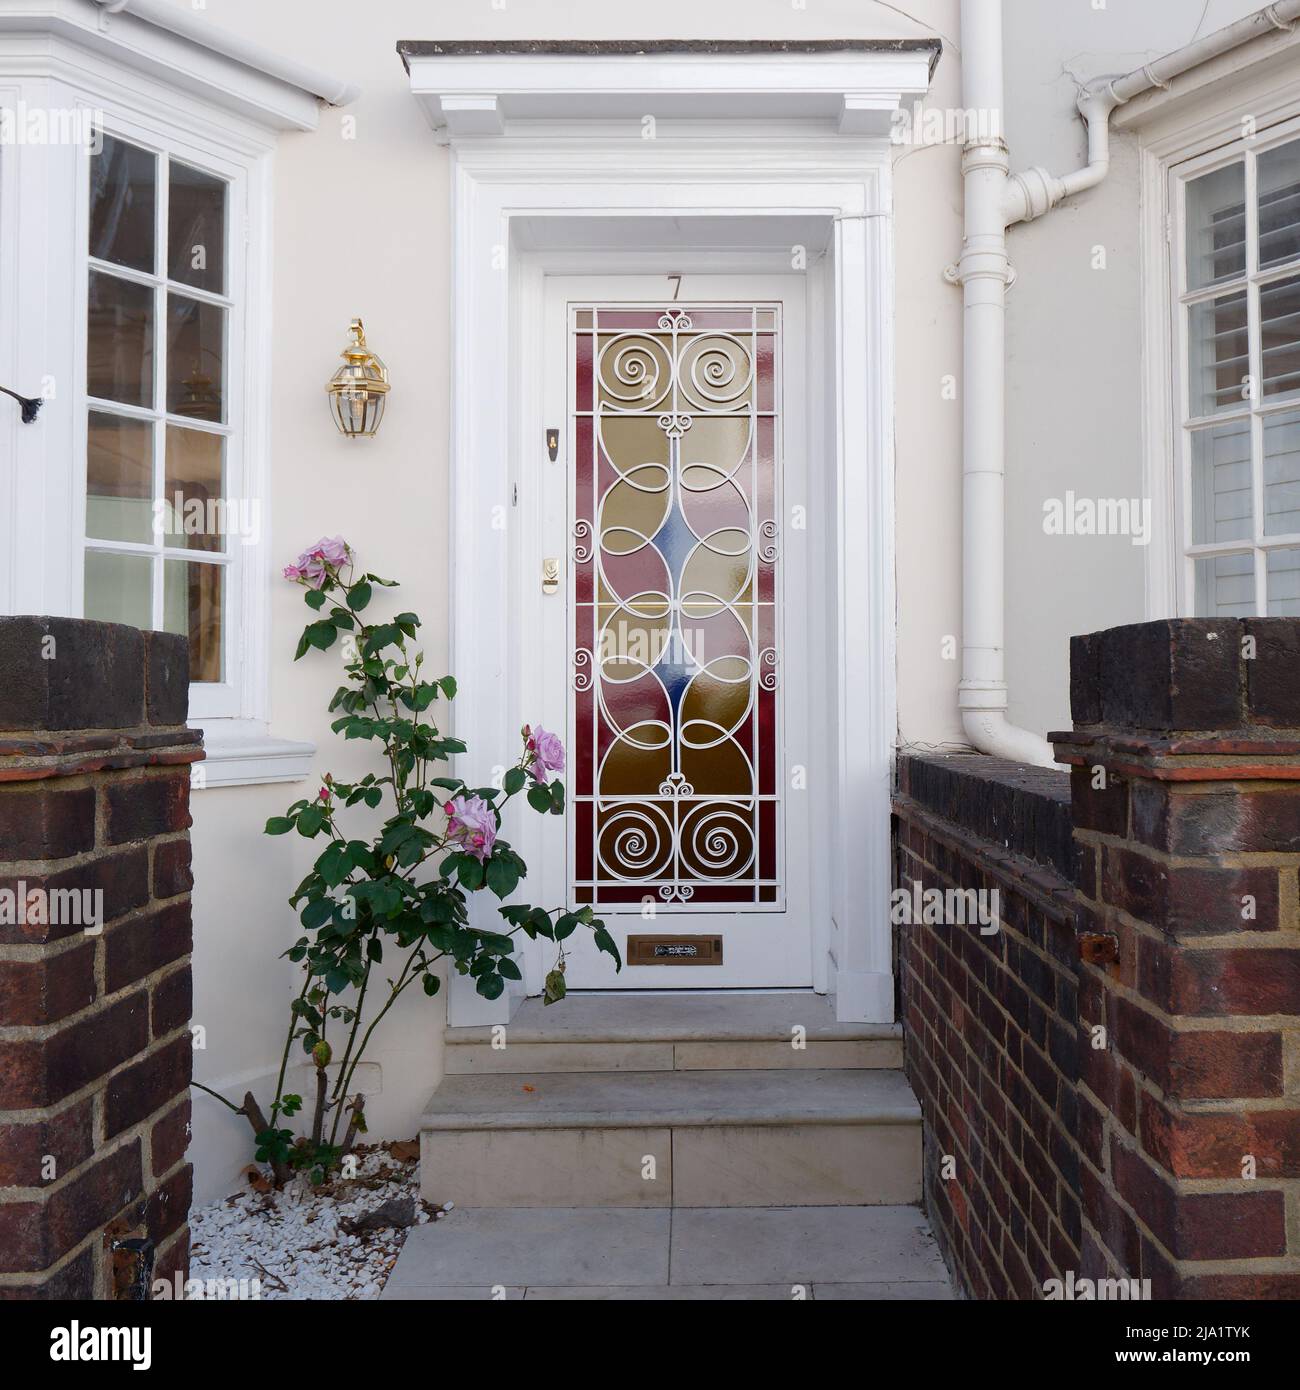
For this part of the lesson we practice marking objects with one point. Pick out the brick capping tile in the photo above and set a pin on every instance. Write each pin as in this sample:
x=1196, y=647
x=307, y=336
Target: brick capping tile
x=1048, y=889
x=1022, y=809
x=1209, y=745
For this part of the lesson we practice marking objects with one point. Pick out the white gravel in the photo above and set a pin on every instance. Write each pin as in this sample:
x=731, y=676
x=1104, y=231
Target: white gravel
x=294, y=1244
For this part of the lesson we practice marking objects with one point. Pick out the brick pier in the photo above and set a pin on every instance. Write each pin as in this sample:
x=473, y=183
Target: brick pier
x=1111, y=1082
x=94, y=1005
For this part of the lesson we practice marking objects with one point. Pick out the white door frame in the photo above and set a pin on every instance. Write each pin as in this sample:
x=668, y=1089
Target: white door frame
x=704, y=190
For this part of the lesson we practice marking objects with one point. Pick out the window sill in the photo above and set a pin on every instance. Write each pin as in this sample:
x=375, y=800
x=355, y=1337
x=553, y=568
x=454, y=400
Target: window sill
x=240, y=753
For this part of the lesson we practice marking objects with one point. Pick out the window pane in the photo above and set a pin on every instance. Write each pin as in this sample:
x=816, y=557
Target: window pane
x=1225, y=586
x=1284, y=583
x=1221, y=490
x=1219, y=356
x=119, y=478
x=122, y=205
x=192, y=605
x=196, y=339
x=119, y=349
x=194, y=489
x=1216, y=226
x=196, y=229
x=1279, y=313
x=1278, y=176
x=119, y=588
x=1282, y=474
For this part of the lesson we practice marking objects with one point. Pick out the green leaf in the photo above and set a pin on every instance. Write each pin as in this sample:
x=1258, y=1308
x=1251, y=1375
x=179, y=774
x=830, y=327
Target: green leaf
x=557, y=798
x=448, y=684
x=311, y=820
x=490, y=986
x=502, y=876
x=317, y=913
x=279, y=825
x=321, y=634
x=304, y=646
x=539, y=798
x=359, y=595
x=431, y=984
x=509, y=969
x=314, y=598
x=513, y=781
x=606, y=943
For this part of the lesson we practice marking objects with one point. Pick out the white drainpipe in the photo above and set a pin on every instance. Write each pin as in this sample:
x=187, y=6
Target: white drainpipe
x=994, y=200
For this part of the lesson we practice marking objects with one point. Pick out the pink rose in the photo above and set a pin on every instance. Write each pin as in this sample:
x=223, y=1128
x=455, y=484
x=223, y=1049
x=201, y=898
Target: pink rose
x=321, y=564
x=471, y=824
x=547, y=753
x=335, y=552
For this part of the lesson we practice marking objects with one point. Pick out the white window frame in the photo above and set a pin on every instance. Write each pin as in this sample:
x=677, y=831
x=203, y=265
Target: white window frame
x=1192, y=128
x=231, y=698
x=1253, y=411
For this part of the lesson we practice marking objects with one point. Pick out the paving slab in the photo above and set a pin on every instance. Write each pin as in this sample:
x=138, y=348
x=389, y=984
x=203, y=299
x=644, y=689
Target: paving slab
x=792, y=1245
x=875, y=1293
x=543, y=1246
x=423, y=1293
x=667, y=1293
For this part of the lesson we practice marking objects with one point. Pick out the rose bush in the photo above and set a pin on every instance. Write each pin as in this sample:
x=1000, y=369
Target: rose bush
x=399, y=899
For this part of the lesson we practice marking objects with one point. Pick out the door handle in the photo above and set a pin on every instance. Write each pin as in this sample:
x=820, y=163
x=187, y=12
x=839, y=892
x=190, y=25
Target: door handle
x=550, y=575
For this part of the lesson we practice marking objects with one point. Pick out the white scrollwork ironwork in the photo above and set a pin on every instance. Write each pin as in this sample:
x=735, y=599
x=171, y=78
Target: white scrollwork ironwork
x=683, y=652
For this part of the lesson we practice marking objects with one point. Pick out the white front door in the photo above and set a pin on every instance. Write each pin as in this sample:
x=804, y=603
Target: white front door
x=675, y=646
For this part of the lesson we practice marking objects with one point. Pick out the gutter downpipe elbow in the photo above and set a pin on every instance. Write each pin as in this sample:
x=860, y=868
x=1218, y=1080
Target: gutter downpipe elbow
x=990, y=731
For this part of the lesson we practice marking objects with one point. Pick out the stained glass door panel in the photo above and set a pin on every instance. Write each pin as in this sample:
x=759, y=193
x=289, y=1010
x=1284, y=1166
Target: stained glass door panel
x=676, y=709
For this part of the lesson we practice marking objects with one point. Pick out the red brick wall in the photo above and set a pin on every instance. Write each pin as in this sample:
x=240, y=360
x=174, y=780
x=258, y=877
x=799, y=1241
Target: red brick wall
x=1111, y=1082
x=94, y=1041
x=989, y=1020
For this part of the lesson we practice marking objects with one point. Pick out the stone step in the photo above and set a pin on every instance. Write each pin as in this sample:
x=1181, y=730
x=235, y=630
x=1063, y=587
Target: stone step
x=629, y=1032
x=685, y=1138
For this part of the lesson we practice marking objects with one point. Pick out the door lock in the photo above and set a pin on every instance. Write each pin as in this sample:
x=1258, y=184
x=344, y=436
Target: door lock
x=550, y=575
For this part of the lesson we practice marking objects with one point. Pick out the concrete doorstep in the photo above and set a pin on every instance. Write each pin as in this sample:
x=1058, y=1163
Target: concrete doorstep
x=735, y=1253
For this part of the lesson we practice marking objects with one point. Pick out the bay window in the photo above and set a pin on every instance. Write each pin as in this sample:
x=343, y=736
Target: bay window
x=162, y=412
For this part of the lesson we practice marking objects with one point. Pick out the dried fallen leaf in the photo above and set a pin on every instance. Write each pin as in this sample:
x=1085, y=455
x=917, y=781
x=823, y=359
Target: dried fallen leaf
x=257, y=1179
x=405, y=1150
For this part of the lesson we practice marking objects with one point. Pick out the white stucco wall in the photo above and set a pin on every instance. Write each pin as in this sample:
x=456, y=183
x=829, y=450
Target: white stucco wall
x=362, y=228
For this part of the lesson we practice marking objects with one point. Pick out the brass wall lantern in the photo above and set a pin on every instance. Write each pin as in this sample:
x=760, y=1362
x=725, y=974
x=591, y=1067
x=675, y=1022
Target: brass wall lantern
x=359, y=389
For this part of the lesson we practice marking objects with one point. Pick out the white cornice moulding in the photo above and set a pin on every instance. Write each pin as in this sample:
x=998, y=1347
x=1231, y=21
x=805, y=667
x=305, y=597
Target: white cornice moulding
x=186, y=51
x=840, y=92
